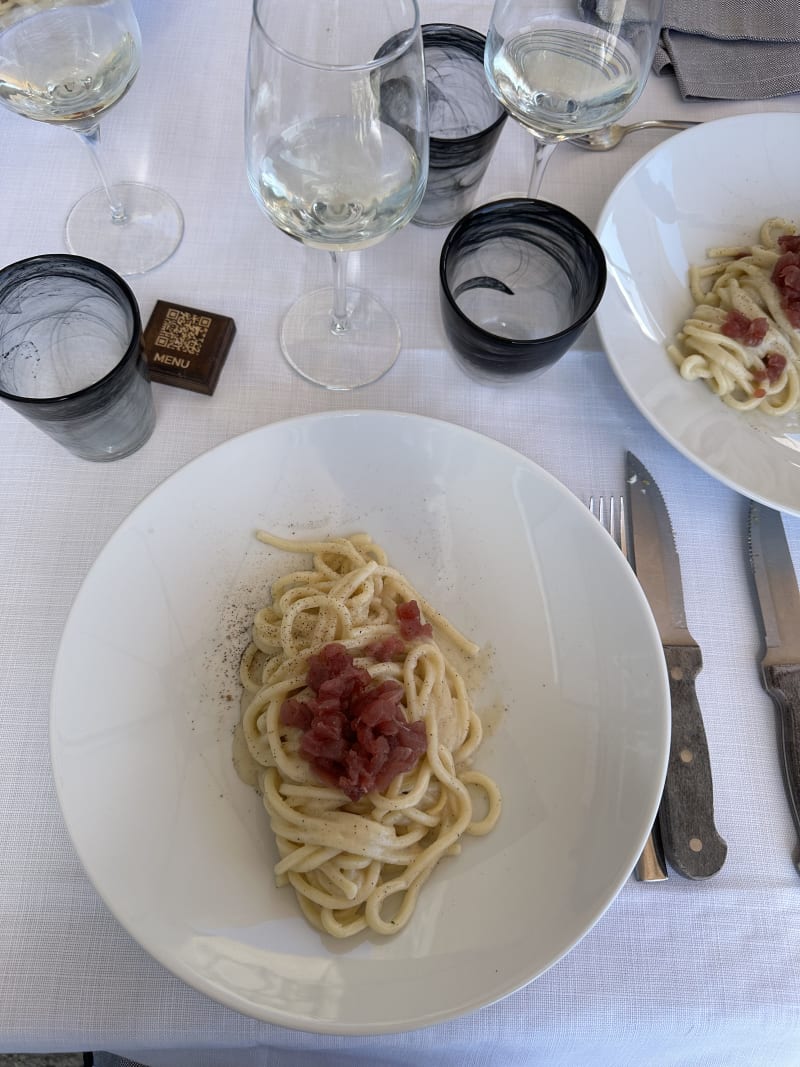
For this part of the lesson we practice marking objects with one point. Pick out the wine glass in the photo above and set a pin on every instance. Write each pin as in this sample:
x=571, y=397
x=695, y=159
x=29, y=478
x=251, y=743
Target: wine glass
x=66, y=62
x=567, y=67
x=336, y=132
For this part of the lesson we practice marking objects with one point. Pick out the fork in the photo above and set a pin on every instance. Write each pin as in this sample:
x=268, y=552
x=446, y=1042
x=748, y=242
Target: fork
x=609, y=510
x=610, y=136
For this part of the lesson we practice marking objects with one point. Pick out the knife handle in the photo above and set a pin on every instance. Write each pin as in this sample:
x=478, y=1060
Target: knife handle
x=783, y=685
x=686, y=816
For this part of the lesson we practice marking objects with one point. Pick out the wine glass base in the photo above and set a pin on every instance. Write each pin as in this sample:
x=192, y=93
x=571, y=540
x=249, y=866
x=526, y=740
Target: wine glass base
x=346, y=359
x=150, y=233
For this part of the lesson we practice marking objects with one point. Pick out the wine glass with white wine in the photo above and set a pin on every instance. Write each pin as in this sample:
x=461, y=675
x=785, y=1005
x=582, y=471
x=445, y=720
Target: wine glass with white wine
x=336, y=141
x=66, y=62
x=567, y=67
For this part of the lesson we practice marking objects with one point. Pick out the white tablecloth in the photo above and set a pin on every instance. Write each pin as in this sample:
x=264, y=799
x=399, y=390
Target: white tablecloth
x=675, y=973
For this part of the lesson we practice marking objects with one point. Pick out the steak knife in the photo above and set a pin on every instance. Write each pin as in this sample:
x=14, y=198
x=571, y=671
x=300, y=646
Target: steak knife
x=686, y=815
x=779, y=601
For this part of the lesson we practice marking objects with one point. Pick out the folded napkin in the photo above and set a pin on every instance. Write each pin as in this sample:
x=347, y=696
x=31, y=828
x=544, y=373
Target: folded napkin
x=731, y=49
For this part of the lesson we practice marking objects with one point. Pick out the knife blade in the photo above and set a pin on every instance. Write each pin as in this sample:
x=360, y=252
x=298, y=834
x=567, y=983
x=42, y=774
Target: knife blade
x=779, y=603
x=686, y=816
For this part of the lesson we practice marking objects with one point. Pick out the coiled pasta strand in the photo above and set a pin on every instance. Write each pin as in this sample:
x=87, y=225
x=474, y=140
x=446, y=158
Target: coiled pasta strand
x=360, y=864
x=738, y=372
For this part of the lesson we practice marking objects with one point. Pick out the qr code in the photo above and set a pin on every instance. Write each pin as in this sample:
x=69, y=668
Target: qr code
x=182, y=331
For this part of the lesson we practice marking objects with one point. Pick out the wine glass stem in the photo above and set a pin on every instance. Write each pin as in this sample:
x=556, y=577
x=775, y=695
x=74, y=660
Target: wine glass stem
x=91, y=138
x=542, y=151
x=340, y=319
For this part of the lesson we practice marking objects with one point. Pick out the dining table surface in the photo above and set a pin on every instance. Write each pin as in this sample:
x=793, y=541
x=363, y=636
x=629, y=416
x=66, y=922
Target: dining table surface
x=676, y=972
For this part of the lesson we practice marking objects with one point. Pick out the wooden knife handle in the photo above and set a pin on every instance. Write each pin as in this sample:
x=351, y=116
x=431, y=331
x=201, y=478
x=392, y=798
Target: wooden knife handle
x=783, y=685
x=686, y=816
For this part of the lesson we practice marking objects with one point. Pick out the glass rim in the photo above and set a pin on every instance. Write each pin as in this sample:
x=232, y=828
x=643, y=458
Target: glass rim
x=376, y=63
x=131, y=352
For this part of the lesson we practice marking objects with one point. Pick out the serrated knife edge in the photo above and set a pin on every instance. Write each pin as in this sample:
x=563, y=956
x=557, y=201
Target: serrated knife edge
x=655, y=557
x=776, y=585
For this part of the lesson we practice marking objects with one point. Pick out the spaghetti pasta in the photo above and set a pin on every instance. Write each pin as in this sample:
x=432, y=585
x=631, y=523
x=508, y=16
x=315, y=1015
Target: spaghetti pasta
x=344, y=682
x=742, y=338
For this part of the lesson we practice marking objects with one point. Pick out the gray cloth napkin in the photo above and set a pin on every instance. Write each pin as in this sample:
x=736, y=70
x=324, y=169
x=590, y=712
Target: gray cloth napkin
x=731, y=49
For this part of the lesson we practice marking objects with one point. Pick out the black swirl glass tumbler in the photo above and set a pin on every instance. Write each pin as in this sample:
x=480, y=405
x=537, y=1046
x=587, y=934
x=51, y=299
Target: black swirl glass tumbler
x=71, y=358
x=465, y=120
x=519, y=281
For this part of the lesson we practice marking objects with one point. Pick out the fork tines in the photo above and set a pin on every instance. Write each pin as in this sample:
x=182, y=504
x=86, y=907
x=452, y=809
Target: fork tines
x=609, y=510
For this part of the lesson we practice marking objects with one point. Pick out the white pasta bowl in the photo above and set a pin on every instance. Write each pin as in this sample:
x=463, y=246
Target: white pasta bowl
x=146, y=697
x=710, y=186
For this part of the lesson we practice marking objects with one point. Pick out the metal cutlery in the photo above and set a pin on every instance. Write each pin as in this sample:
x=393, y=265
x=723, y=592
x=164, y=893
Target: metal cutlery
x=779, y=603
x=610, y=136
x=692, y=845
x=610, y=512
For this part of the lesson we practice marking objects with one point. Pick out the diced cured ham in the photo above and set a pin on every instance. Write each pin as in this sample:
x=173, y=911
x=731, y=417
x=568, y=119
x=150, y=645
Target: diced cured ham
x=786, y=278
x=410, y=622
x=356, y=735
x=774, y=366
x=296, y=713
x=739, y=327
x=385, y=649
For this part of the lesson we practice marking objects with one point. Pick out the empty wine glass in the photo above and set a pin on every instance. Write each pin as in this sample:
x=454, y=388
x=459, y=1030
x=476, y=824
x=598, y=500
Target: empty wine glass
x=567, y=67
x=66, y=62
x=336, y=129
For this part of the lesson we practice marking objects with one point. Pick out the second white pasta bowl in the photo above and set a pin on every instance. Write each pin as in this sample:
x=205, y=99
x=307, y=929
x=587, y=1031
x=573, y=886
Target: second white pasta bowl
x=710, y=186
